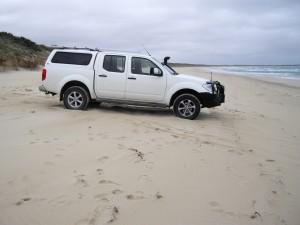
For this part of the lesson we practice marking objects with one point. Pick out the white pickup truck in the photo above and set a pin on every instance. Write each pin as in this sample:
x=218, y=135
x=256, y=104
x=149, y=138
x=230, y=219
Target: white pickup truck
x=82, y=76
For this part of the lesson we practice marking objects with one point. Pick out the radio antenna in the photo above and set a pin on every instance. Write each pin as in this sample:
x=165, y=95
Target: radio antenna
x=146, y=50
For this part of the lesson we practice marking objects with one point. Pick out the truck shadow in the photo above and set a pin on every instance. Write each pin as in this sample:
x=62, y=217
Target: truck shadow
x=166, y=112
x=208, y=115
x=136, y=110
x=145, y=111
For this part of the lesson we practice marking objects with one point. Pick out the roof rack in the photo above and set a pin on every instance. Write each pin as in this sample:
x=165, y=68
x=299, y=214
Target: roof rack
x=92, y=49
x=76, y=48
x=116, y=50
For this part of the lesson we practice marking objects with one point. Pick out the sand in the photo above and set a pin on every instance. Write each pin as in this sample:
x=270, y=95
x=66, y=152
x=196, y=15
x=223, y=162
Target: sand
x=236, y=164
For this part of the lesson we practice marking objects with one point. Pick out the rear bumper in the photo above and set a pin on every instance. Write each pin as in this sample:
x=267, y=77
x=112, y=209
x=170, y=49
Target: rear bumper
x=216, y=98
x=43, y=89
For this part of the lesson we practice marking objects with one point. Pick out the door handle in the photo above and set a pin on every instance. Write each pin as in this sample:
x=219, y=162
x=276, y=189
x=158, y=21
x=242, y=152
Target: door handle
x=131, y=78
x=102, y=75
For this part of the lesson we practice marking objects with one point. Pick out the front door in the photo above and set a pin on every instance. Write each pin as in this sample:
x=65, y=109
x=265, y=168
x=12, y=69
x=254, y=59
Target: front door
x=142, y=84
x=110, y=78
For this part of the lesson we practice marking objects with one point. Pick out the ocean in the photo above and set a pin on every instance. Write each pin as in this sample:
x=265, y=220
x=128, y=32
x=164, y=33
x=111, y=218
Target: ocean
x=284, y=72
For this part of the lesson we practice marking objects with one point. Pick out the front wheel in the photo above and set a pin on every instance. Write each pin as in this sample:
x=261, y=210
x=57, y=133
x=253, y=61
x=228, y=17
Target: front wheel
x=187, y=106
x=76, y=98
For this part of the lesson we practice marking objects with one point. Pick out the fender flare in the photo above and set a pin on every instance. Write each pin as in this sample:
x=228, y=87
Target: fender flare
x=185, y=87
x=77, y=79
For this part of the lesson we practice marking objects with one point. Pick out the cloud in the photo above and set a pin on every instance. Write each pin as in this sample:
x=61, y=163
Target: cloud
x=195, y=31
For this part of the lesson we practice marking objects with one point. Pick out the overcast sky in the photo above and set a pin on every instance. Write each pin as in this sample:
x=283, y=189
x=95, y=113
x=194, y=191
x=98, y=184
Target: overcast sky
x=194, y=31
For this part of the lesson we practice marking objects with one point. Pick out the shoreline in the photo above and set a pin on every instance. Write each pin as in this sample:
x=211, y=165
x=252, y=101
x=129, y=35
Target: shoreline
x=279, y=76
x=274, y=80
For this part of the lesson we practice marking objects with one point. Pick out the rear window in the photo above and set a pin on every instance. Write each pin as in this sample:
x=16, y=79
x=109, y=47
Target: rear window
x=72, y=58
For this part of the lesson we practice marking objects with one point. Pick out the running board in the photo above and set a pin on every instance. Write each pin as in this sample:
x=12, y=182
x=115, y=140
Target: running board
x=132, y=103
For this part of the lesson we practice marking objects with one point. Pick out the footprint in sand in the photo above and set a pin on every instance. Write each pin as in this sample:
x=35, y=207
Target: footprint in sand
x=137, y=196
x=103, y=159
x=134, y=197
x=140, y=155
x=116, y=192
x=80, y=196
x=144, y=177
x=107, y=182
x=114, y=213
x=175, y=136
x=22, y=201
x=270, y=160
x=102, y=197
x=216, y=206
x=100, y=171
x=158, y=195
x=207, y=142
x=101, y=215
x=81, y=181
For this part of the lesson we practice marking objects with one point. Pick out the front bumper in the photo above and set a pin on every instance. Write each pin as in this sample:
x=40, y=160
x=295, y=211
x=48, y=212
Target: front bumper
x=216, y=98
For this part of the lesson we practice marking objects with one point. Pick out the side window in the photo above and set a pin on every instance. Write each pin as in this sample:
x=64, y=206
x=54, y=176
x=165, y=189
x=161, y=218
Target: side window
x=142, y=66
x=114, y=63
x=72, y=58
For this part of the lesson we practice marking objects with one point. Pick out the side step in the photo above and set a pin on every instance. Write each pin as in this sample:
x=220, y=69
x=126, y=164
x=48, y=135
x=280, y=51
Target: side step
x=133, y=103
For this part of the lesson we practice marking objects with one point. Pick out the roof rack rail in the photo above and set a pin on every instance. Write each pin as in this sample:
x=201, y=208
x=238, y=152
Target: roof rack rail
x=115, y=50
x=76, y=48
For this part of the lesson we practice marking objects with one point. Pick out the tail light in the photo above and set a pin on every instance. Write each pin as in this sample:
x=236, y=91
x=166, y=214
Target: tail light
x=44, y=74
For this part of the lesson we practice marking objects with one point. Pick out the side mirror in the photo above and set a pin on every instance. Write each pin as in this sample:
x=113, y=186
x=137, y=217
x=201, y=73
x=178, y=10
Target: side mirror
x=155, y=72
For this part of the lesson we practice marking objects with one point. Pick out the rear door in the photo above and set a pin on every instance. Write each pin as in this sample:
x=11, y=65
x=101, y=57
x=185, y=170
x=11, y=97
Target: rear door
x=110, y=77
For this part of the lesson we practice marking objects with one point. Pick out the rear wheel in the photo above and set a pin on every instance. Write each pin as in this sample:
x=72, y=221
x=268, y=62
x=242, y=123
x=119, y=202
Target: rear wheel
x=187, y=106
x=76, y=98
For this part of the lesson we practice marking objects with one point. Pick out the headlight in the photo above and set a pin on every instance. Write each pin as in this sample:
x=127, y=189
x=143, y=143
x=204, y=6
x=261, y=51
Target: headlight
x=208, y=87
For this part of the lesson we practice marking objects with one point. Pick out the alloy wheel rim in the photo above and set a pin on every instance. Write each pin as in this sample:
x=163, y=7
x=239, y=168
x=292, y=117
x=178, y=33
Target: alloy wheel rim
x=186, y=108
x=75, y=99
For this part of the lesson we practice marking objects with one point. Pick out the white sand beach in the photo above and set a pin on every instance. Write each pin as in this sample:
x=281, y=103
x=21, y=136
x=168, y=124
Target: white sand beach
x=236, y=164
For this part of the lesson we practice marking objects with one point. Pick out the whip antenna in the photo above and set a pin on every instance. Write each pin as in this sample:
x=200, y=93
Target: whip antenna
x=146, y=50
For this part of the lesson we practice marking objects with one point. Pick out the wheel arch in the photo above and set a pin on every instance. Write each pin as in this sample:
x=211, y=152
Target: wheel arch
x=184, y=91
x=72, y=84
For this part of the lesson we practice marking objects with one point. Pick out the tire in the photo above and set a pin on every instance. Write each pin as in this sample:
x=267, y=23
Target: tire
x=187, y=106
x=76, y=98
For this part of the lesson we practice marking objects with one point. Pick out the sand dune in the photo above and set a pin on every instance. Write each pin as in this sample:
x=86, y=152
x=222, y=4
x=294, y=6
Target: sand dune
x=236, y=164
